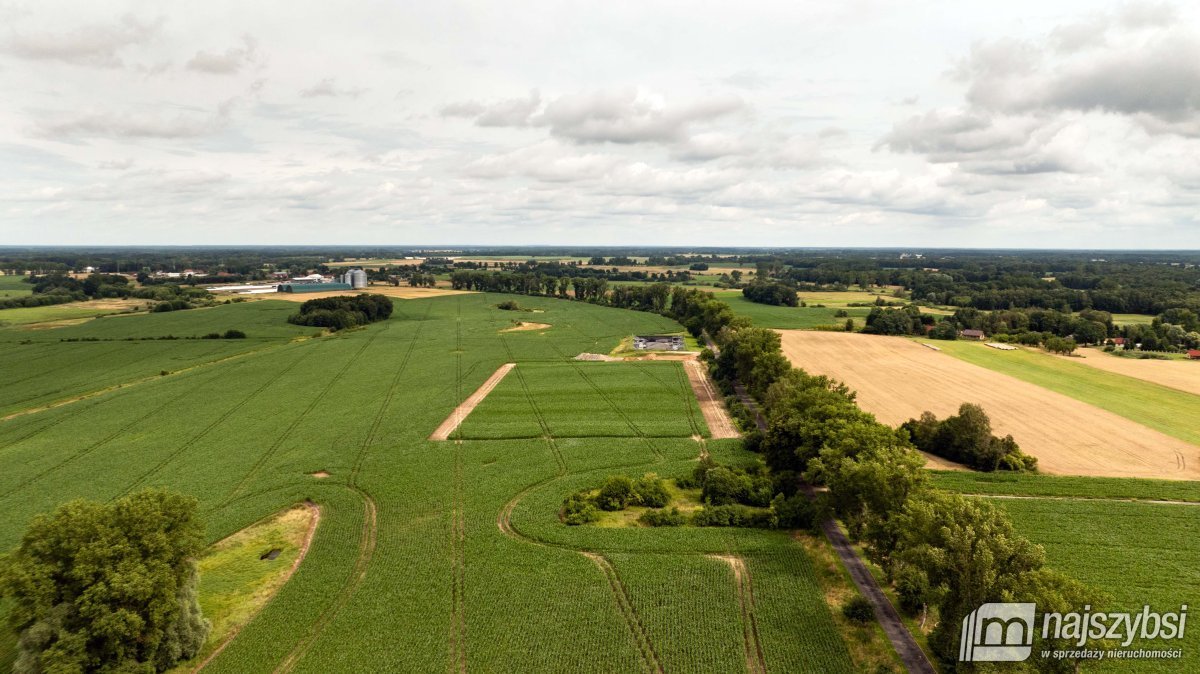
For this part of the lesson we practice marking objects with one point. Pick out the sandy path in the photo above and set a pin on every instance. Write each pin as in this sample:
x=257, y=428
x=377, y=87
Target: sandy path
x=524, y=326
x=460, y=413
x=1177, y=374
x=711, y=404
x=897, y=379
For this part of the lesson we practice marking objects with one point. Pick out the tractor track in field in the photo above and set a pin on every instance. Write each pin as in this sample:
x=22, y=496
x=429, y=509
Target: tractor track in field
x=559, y=459
x=96, y=445
x=316, y=400
x=756, y=661
x=217, y=422
x=370, y=530
x=637, y=630
x=136, y=382
x=458, y=521
x=659, y=457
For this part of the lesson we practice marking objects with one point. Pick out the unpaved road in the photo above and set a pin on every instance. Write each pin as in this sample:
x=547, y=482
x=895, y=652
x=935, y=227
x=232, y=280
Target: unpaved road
x=460, y=413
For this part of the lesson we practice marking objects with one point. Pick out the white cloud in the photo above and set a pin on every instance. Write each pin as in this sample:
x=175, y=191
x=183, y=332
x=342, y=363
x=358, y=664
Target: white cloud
x=229, y=62
x=95, y=45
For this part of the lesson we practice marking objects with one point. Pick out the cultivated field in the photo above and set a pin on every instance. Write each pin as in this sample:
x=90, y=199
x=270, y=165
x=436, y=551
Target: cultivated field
x=796, y=318
x=14, y=286
x=1177, y=374
x=451, y=553
x=897, y=379
x=1167, y=410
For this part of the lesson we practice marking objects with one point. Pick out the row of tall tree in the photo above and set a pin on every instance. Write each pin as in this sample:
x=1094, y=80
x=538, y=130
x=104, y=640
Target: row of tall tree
x=945, y=554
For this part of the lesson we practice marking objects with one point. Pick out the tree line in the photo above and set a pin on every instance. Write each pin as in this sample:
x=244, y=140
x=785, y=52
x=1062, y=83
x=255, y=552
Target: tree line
x=944, y=554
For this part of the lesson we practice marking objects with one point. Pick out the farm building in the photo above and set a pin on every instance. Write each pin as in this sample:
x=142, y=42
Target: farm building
x=658, y=342
x=976, y=335
x=312, y=287
x=1194, y=354
x=355, y=278
x=1118, y=342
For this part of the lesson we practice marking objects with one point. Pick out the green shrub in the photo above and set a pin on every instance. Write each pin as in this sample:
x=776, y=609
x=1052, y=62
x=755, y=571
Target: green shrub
x=212, y=335
x=733, y=516
x=651, y=491
x=663, y=518
x=724, y=486
x=858, y=611
x=794, y=512
x=234, y=334
x=578, y=509
x=615, y=494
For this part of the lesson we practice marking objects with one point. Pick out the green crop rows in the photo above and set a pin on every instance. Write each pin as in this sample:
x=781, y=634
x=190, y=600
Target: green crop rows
x=1138, y=553
x=429, y=555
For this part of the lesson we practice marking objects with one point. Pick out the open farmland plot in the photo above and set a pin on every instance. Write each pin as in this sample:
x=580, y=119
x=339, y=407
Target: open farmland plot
x=449, y=554
x=41, y=369
x=791, y=318
x=897, y=379
x=587, y=399
x=1162, y=408
x=1137, y=553
x=1177, y=374
x=14, y=286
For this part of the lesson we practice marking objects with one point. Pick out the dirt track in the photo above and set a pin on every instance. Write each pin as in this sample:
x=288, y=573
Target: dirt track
x=460, y=413
x=897, y=379
x=711, y=405
x=1177, y=374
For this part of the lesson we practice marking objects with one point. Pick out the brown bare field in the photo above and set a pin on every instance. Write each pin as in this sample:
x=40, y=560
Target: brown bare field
x=1177, y=374
x=400, y=292
x=375, y=263
x=525, y=326
x=460, y=413
x=897, y=379
x=711, y=405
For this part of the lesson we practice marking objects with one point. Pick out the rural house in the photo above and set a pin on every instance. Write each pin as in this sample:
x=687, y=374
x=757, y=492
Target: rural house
x=976, y=335
x=1194, y=354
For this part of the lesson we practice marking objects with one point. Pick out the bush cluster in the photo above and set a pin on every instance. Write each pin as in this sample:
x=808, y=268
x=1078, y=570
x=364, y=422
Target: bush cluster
x=339, y=313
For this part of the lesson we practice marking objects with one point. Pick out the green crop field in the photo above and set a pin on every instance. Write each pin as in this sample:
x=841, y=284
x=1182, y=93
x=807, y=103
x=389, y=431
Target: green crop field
x=1033, y=484
x=53, y=312
x=14, y=286
x=1166, y=410
x=793, y=318
x=1136, y=553
x=429, y=555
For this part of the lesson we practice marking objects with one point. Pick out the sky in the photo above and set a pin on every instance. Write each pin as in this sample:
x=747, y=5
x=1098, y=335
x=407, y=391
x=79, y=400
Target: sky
x=852, y=123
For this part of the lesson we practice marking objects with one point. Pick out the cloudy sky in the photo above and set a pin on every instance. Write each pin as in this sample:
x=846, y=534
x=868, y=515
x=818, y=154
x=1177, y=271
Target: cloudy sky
x=918, y=123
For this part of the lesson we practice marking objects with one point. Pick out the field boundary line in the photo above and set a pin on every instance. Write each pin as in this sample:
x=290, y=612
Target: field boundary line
x=756, y=661
x=366, y=551
x=1100, y=499
x=460, y=413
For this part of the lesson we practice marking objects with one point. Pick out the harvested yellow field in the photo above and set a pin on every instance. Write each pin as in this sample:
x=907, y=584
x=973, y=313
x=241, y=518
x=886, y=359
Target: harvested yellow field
x=1177, y=374
x=897, y=379
x=401, y=292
